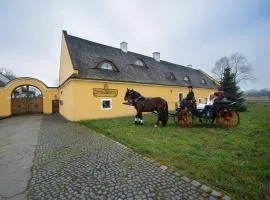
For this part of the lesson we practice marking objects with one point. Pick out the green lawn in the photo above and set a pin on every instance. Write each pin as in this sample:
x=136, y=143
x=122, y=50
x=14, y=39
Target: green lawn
x=236, y=161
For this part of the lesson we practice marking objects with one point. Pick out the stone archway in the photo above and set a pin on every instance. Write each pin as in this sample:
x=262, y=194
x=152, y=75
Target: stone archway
x=26, y=99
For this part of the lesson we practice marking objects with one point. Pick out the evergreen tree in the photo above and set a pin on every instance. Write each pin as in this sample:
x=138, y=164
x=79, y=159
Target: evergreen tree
x=231, y=90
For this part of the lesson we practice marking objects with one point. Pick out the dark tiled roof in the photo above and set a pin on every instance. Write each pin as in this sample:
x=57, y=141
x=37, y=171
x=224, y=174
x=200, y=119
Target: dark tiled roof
x=3, y=80
x=86, y=55
x=2, y=84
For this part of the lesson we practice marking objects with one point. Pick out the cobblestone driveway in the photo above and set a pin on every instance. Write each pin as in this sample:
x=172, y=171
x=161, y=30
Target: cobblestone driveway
x=72, y=162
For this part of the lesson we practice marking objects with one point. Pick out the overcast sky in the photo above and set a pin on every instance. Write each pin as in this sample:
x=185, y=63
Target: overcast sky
x=185, y=32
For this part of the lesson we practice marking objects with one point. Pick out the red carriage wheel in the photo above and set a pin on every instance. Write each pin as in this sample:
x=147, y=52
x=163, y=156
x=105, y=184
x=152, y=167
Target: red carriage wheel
x=228, y=118
x=185, y=120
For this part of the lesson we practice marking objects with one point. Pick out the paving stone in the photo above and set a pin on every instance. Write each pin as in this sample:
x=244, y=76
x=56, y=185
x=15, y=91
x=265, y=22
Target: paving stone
x=185, y=178
x=205, y=188
x=226, y=198
x=163, y=167
x=216, y=194
x=170, y=170
x=73, y=162
x=176, y=174
x=195, y=183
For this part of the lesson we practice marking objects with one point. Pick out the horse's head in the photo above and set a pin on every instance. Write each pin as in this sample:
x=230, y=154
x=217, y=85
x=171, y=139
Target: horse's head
x=127, y=94
x=131, y=95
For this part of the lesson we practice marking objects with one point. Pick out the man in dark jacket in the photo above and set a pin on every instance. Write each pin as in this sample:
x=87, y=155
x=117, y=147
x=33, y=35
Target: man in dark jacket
x=190, y=97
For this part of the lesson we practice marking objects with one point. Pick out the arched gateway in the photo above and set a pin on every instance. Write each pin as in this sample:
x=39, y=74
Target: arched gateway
x=26, y=99
x=27, y=96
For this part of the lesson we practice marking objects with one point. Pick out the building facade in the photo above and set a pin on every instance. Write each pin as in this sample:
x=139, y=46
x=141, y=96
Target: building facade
x=94, y=77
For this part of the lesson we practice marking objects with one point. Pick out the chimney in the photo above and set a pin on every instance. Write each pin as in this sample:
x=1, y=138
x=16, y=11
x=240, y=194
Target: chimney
x=123, y=46
x=189, y=66
x=156, y=56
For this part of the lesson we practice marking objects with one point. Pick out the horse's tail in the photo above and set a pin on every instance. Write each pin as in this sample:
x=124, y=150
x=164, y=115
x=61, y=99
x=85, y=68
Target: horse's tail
x=164, y=114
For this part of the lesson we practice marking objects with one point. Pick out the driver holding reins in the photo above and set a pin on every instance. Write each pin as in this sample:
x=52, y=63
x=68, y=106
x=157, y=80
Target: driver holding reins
x=190, y=97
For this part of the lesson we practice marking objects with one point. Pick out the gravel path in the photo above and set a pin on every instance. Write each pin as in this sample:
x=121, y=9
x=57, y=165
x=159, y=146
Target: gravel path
x=73, y=162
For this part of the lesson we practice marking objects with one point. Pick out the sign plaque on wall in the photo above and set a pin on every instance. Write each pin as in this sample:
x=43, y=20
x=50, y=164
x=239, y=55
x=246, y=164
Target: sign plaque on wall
x=105, y=92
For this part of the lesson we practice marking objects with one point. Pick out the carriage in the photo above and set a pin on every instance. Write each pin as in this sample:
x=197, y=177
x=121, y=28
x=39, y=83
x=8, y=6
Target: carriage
x=223, y=114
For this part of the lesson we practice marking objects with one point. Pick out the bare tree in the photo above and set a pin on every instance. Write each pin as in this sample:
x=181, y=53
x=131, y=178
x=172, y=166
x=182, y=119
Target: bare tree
x=239, y=66
x=220, y=66
x=7, y=73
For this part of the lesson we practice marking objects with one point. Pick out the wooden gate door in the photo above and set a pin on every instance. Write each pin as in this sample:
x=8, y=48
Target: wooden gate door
x=27, y=105
x=35, y=105
x=19, y=106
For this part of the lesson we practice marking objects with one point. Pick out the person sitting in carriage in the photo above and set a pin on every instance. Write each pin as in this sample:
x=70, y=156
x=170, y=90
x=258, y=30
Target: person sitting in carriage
x=189, y=99
x=218, y=97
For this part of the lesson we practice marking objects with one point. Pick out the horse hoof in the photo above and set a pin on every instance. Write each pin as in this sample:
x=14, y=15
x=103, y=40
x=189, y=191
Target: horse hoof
x=155, y=125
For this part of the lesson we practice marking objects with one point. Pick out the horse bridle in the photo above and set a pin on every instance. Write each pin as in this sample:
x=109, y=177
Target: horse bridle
x=133, y=99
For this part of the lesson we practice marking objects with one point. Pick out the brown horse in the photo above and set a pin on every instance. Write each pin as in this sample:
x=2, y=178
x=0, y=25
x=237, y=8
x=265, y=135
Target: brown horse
x=143, y=104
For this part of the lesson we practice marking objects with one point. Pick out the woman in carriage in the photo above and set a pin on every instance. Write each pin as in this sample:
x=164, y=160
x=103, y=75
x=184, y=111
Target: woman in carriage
x=218, y=97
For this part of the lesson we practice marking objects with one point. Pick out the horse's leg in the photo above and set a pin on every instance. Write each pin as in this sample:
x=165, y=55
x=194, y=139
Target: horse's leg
x=158, y=120
x=161, y=118
x=141, y=119
x=136, y=120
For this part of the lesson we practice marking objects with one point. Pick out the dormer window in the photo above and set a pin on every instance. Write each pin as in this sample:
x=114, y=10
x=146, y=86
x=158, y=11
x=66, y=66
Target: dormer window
x=203, y=81
x=187, y=79
x=139, y=62
x=107, y=65
x=170, y=76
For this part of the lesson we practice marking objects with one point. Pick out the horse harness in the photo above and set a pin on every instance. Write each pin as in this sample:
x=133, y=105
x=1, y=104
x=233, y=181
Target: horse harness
x=138, y=100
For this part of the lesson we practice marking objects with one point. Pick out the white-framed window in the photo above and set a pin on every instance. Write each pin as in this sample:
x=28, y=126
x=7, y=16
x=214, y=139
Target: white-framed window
x=106, y=104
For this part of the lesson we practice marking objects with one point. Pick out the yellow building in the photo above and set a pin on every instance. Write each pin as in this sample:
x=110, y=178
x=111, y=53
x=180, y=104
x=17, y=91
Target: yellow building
x=93, y=80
